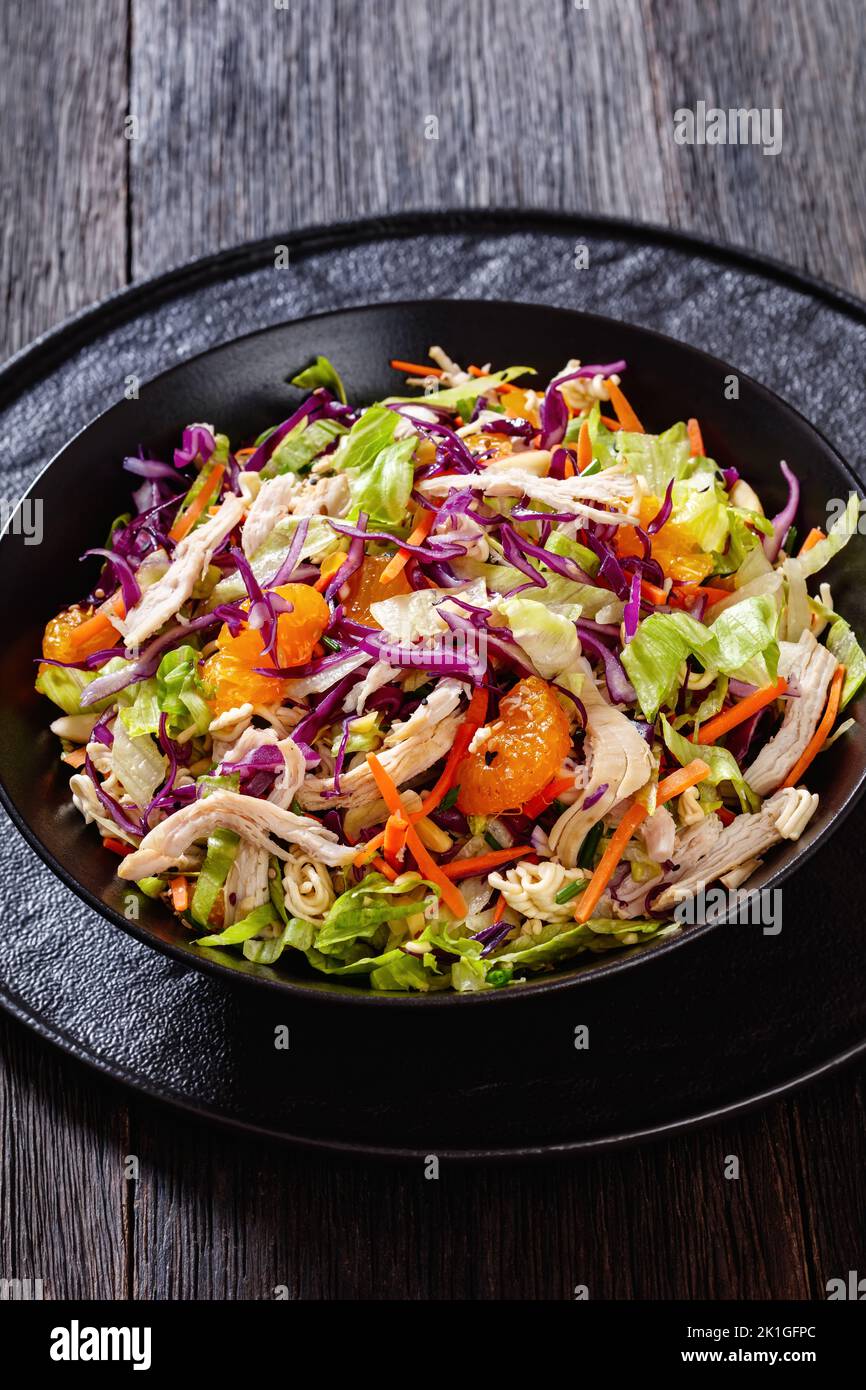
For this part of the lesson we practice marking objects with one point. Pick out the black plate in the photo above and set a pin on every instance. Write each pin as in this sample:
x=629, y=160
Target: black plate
x=243, y=387
x=734, y=1019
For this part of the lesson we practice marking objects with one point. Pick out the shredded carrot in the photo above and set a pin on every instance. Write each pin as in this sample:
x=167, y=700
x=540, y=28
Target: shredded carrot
x=395, y=838
x=499, y=910
x=814, y=536
x=475, y=717
x=187, y=520
x=584, y=447
x=385, y=869
x=721, y=724
x=76, y=758
x=681, y=592
x=420, y=532
x=330, y=565
x=671, y=786
x=624, y=412
x=179, y=893
x=540, y=802
x=483, y=863
x=652, y=593
x=242, y=454
x=696, y=439
x=415, y=369
x=475, y=371
x=428, y=866
x=591, y=895
x=116, y=846
x=568, y=466
x=99, y=623
x=680, y=781
x=816, y=742
x=611, y=424
x=369, y=850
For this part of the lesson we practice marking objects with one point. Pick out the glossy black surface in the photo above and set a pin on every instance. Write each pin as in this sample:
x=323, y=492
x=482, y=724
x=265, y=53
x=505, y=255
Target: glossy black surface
x=713, y=1022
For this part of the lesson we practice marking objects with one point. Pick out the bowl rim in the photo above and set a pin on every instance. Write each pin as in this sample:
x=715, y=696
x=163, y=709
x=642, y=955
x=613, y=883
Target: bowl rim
x=198, y=958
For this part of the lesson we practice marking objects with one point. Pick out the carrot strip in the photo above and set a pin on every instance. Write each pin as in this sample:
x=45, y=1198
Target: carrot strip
x=696, y=439
x=179, y=893
x=652, y=593
x=584, y=447
x=330, y=565
x=624, y=412
x=814, y=536
x=568, y=467
x=604, y=872
x=185, y=523
x=611, y=424
x=98, y=623
x=483, y=863
x=499, y=910
x=451, y=896
x=681, y=592
x=540, y=802
x=397, y=564
x=75, y=759
x=680, y=781
x=475, y=371
x=816, y=742
x=395, y=838
x=369, y=850
x=415, y=368
x=116, y=846
x=721, y=724
x=242, y=454
x=672, y=786
x=385, y=869
x=475, y=717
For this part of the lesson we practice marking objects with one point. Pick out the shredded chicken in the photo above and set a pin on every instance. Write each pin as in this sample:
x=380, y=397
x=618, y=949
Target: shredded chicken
x=402, y=761
x=619, y=761
x=289, y=495
x=164, y=599
x=250, y=817
x=784, y=817
x=809, y=668
x=614, y=486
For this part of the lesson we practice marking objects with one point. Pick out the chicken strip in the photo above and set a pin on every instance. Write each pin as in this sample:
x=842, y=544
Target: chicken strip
x=576, y=494
x=191, y=558
x=619, y=763
x=402, y=761
x=288, y=495
x=247, y=886
x=809, y=668
x=784, y=817
x=250, y=817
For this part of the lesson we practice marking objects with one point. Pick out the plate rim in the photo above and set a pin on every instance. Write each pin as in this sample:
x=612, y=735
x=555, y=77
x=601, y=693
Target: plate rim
x=253, y=976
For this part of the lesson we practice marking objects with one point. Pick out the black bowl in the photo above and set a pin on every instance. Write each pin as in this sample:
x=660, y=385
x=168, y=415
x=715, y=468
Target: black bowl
x=244, y=386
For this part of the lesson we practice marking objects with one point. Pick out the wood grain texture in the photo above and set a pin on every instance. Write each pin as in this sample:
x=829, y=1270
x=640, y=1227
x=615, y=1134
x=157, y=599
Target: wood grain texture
x=254, y=119
x=63, y=191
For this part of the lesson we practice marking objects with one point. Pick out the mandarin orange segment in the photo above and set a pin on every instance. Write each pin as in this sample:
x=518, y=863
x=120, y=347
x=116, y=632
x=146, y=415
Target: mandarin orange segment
x=488, y=447
x=525, y=750
x=673, y=546
x=297, y=632
x=57, y=641
x=229, y=683
x=365, y=587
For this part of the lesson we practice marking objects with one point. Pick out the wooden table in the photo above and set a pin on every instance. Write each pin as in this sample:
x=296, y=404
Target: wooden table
x=251, y=118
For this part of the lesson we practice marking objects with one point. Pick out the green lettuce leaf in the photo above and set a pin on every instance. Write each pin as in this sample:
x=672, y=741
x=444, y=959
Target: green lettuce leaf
x=297, y=449
x=548, y=637
x=840, y=533
x=222, y=847
x=469, y=391
x=363, y=913
x=257, y=921
x=321, y=373
x=847, y=650
x=722, y=764
x=137, y=763
x=661, y=458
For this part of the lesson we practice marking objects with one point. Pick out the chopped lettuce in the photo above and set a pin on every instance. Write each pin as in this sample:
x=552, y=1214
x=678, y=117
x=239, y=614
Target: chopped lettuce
x=222, y=847
x=363, y=913
x=548, y=637
x=321, y=373
x=378, y=467
x=137, y=764
x=840, y=533
x=654, y=657
x=722, y=764
x=660, y=458
x=847, y=650
x=297, y=449
x=469, y=391
x=256, y=921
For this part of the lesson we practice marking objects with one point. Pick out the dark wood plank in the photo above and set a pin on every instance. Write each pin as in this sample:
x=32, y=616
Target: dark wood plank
x=805, y=205
x=63, y=190
x=62, y=203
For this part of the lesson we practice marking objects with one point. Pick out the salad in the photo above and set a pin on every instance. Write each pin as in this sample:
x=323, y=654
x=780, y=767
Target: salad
x=444, y=690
